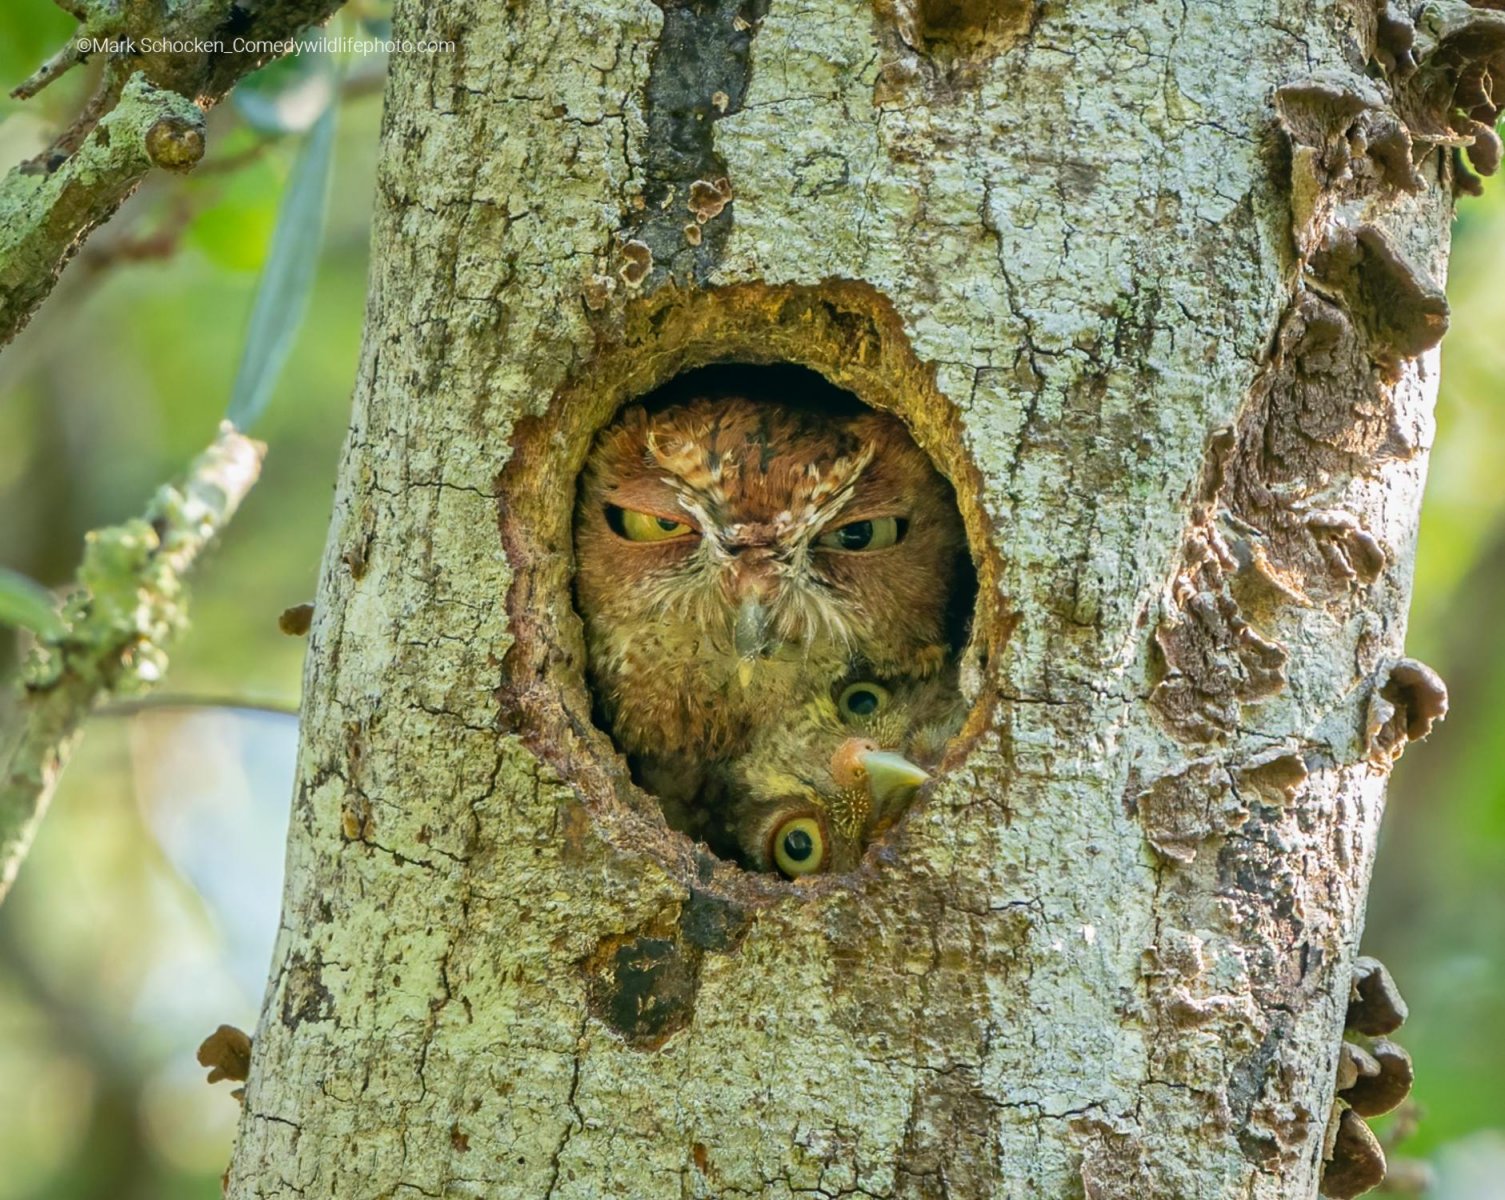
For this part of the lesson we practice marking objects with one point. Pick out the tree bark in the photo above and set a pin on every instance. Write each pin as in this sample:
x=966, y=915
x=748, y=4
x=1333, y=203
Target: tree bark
x=1157, y=287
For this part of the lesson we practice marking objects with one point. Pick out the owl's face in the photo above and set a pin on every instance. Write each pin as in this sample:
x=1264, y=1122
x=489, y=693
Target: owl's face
x=821, y=820
x=734, y=557
x=815, y=787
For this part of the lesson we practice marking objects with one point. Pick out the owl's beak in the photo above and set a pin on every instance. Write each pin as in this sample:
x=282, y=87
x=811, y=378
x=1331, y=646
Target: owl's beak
x=892, y=778
x=750, y=636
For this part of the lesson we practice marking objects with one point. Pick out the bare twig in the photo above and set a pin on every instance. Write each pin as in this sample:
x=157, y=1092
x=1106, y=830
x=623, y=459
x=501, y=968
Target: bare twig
x=137, y=705
x=131, y=246
x=98, y=20
x=129, y=605
x=231, y=163
x=103, y=99
x=54, y=68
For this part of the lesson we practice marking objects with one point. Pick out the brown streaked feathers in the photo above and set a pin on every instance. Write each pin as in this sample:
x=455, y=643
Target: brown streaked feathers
x=725, y=583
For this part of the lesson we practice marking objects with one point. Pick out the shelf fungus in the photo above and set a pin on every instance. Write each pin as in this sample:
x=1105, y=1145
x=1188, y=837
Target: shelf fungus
x=1403, y=707
x=1374, y=1076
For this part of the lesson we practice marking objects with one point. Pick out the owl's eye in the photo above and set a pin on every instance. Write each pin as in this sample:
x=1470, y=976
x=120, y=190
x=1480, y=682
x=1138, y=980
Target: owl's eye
x=877, y=534
x=862, y=700
x=644, y=527
x=799, y=846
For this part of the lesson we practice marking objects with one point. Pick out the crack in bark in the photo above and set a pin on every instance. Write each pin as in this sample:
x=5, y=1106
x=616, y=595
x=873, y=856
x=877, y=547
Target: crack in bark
x=577, y=1121
x=698, y=75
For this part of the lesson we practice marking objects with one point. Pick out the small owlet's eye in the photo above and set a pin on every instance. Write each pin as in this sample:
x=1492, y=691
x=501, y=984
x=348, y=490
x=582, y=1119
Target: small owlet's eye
x=645, y=527
x=798, y=846
x=877, y=534
x=862, y=700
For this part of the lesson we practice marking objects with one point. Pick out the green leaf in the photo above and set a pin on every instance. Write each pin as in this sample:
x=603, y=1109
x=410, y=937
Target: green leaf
x=26, y=604
x=287, y=279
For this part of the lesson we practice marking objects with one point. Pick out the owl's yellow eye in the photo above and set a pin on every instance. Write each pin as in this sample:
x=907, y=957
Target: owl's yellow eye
x=862, y=700
x=798, y=846
x=645, y=527
x=877, y=534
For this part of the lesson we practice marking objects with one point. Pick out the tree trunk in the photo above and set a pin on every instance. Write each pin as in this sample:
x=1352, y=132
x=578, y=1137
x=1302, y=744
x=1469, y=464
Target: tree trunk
x=1157, y=287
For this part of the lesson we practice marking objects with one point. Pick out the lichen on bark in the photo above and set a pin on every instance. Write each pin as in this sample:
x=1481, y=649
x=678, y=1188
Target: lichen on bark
x=1108, y=952
x=128, y=604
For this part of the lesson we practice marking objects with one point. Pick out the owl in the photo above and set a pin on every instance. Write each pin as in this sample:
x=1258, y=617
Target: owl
x=811, y=792
x=735, y=557
x=915, y=716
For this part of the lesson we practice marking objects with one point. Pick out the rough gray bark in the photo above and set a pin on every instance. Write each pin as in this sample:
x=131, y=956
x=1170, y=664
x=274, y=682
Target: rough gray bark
x=1157, y=286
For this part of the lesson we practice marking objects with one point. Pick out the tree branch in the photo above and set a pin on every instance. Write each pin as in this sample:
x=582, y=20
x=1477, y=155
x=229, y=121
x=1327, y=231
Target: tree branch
x=166, y=64
x=43, y=219
x=129, y=605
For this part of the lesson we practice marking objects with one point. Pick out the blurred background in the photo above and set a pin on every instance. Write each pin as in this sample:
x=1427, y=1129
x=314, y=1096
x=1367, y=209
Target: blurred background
x=145, y=914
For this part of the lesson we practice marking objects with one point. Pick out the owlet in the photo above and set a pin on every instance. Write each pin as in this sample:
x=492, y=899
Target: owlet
x=813, y=789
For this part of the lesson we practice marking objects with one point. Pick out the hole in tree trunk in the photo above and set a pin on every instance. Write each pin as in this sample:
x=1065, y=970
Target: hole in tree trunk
x=760, y=590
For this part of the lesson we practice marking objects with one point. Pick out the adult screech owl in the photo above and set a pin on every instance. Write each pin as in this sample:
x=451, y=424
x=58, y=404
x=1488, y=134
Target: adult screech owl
x=736, y=557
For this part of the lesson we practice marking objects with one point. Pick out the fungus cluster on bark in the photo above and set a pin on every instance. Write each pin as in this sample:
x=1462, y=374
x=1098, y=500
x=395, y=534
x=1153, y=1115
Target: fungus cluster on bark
x=1374, y=1076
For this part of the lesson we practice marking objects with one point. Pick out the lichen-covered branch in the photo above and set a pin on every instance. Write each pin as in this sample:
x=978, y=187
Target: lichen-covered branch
x=129, y=604
x=46, y=217
x=166, y=64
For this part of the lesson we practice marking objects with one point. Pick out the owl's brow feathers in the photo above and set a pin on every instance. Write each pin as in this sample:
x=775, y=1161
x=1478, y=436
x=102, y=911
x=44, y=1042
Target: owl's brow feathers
x=810, y=499
x=742, y=497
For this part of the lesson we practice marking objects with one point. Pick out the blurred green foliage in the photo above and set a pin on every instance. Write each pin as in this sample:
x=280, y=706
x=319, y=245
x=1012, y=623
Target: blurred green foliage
x=1437, y=902
x=143, y=918
x=145, y=915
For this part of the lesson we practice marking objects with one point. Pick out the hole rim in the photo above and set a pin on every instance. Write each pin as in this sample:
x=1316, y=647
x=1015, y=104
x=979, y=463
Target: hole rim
x=847, y=334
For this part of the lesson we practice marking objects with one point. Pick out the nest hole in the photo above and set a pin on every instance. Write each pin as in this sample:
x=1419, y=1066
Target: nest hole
x=763, y=593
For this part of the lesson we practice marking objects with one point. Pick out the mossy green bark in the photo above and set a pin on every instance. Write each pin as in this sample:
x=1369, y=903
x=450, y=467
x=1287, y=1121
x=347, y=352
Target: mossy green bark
x=165, y=64
x=43, y=218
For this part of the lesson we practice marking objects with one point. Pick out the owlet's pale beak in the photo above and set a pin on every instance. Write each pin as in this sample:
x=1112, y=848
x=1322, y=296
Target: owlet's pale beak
x=891, y=778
